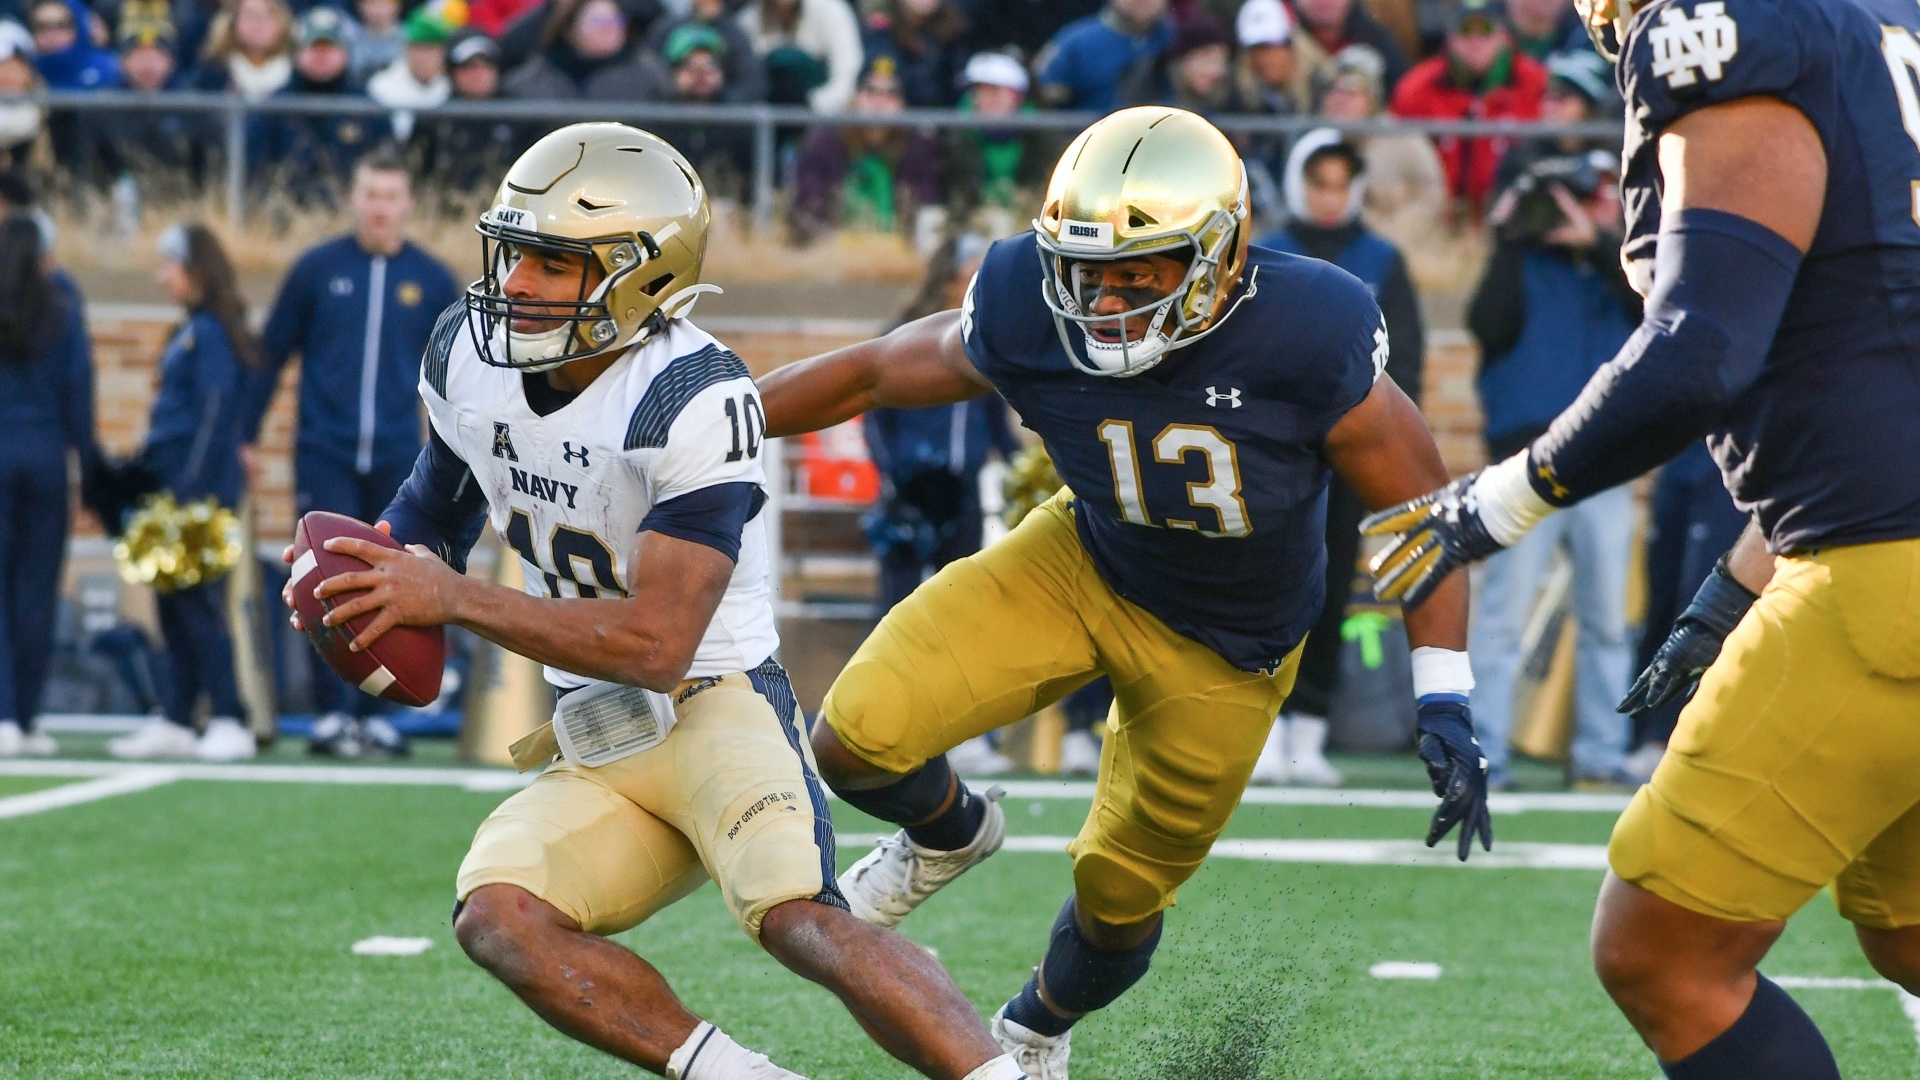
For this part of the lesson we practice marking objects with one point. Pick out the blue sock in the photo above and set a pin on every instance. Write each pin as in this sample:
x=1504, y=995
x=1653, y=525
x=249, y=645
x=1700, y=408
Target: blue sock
x=1080, y=977
x=1774, y=1039
x=956, y=826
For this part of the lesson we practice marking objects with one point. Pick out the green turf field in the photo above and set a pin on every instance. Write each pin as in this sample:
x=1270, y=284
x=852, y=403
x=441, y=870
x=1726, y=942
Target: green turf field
x=203, y=928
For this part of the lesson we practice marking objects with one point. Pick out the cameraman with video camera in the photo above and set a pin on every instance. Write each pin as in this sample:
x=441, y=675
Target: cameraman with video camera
x=1553, y=306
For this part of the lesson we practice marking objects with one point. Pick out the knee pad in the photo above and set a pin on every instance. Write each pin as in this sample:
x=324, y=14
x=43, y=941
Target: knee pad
x=909, y=800
x=1081, y=977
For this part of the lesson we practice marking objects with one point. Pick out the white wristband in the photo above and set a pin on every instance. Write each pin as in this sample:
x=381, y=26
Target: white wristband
x=1441, y=671
x=1508, y=504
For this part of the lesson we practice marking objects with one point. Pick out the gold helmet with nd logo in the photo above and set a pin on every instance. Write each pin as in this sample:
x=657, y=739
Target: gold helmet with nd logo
x=1144, y=181
x=615, y=205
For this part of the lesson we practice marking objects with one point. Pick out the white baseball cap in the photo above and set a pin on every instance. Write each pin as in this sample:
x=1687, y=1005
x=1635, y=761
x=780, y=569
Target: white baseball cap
x=996, y=69
x=15, y=40
x=1263, y=22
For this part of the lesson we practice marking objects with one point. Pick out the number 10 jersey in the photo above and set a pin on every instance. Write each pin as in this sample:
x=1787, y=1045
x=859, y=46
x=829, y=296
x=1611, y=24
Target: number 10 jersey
x=568, y=491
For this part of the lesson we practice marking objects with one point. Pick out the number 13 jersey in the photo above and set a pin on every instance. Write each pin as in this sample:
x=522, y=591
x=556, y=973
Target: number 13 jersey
x=1811, y=447
x=1200, y=485
x=677, y=418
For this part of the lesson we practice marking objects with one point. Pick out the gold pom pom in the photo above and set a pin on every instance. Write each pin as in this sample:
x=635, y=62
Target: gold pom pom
x=1031, y=480
x=170, y=546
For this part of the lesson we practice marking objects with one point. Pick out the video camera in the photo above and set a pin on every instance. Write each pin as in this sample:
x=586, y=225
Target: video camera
x=1535, y=213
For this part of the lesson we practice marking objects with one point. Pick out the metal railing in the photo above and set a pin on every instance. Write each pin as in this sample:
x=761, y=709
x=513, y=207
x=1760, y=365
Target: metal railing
x=765, y=120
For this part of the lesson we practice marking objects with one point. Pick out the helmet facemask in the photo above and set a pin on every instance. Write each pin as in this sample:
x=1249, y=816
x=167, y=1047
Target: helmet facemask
x=1073, y=286
x=1598, y=16
x=578, y=327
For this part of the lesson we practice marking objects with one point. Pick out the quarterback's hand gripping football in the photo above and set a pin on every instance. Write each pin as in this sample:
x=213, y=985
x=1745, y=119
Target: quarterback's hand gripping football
x=408, y=587
x=1694, y=643
x=1458, y=770
x=1433, y=536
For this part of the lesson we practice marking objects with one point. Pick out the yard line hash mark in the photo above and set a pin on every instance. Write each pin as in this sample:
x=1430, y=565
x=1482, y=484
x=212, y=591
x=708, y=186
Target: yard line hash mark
x=124, y=781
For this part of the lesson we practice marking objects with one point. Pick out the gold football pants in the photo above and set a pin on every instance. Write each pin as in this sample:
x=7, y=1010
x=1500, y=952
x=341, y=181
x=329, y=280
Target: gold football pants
x=1003, y=633
x=1797, y=764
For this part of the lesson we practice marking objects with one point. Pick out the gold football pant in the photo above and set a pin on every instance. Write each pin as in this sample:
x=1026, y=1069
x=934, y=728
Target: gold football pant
x=1797, y=764
x=732, y=794
x=1003, y=633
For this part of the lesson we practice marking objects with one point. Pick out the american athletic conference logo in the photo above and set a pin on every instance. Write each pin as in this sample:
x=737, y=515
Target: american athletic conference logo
x=1685, y=48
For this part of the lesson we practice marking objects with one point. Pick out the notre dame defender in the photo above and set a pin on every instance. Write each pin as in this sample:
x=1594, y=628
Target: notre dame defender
x=1772, y=185
x=1193, y=394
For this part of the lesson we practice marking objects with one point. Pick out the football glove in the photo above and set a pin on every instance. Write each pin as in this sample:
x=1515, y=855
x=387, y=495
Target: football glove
x=1433, y=536
x=1694, y=643
x=1458, y=770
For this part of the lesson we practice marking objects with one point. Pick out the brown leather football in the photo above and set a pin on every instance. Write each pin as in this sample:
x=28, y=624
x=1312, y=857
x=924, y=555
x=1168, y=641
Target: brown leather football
x=405, y=664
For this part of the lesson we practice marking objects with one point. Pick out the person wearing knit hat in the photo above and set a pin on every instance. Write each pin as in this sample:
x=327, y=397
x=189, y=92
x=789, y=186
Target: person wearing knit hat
x=146, y=52
x=697, y=55
x=1192, y=74
x=418, y=79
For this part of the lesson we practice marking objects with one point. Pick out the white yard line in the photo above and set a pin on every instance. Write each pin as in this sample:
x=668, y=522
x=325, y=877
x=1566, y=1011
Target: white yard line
x=122, y=782
x=1909, y=1004
x=1073, y=790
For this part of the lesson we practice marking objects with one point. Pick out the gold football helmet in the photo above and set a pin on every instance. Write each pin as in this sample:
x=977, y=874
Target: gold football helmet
x=627, y=202
x=1146, y=181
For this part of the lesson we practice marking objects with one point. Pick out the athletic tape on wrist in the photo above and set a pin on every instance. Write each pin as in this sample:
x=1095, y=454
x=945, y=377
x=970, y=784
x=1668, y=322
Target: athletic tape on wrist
x=1509, y=506
x=1441, y=671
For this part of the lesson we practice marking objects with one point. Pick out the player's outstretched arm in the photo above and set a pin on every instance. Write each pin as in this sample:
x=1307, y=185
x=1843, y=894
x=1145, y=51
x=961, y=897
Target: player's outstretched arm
x=647, y=640
x=916, y=366
x=1383, y=450
x=1744, y=186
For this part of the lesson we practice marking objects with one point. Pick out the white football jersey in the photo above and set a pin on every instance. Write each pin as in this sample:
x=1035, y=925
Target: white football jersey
x=568, y=490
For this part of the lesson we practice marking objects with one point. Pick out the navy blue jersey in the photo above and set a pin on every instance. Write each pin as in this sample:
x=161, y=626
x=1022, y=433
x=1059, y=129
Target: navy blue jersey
x=1200, y=486
x=1818, y=447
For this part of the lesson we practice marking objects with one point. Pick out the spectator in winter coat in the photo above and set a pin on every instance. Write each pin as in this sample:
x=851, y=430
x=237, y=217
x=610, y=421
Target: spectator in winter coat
x=999, y=169
x=65, y=55
x=249, y=51
x=874, y=178
x=167, y=153
x=1406, y=186
x=1325, y=184
x=378, y=37
x=925, y=38
x=193, y=449
x=1267, y=78
x=1084, y=65
x=589, y=56
x=1479, y=76
x=358, y=311
x=492, y=17
x=312, y=154
x=743, y=79
x=418, y=78
x=1194, y=73
x=1336, y=24
x=24, y=143
x=1579, y=87
x=528, y=33
x=810, y=50
x=1021, y=28
x=1543, y=27
x=470, y=154
x=721, y=153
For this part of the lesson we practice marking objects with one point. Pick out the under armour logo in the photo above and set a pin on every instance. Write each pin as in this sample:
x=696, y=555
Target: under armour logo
x=568, y=453
x=1706, y=41
x=503, y=443
x=341, y=286
x=1231, y=397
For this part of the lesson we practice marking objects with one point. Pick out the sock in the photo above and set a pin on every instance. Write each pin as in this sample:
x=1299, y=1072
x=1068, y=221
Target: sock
x=1000, y=1068
x=709, y=1055
x=956, y=826
x=1774, y=1038
x=914, y=797
x=1080, y=977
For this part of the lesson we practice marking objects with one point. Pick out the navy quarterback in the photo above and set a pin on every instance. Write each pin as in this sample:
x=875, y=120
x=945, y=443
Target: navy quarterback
x=615, y=447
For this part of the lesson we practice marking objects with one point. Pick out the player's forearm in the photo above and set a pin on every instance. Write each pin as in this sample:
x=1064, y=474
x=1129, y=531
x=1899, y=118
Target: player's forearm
x=821, y=391
x=598, y=639
x=916, y=366
x=1749, y=561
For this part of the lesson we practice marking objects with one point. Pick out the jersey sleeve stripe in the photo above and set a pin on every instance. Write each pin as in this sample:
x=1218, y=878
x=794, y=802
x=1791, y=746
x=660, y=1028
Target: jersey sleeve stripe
x=440, y=345
x=679, y=384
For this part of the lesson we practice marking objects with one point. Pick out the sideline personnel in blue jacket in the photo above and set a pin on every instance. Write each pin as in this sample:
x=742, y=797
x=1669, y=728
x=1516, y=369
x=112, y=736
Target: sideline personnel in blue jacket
x=358, y=311
x=46, y=408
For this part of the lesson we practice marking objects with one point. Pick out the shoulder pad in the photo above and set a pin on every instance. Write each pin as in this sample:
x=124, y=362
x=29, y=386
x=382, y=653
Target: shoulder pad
x=1684, y=55
x=446, y=330
x=673, y=388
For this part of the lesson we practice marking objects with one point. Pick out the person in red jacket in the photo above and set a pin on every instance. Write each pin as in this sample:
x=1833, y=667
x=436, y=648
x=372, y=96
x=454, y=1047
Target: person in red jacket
x=1478, y=76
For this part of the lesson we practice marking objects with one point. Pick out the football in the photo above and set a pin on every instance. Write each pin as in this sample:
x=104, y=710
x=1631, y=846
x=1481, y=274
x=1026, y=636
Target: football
x=405, y=665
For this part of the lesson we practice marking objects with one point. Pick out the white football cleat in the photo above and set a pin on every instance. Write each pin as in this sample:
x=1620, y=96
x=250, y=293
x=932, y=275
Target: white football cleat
x=225, y=740
x=1272, y=766
x=899, y=875
x=977, y=757
x=1079, y=754
x=37, y=743
x=1043, y=1057
x=157, y=738
x=12, y=739
x=1306, y=757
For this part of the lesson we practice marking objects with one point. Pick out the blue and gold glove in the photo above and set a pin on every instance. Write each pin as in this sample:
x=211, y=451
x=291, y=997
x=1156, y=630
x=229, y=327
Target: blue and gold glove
x=1449, y=528
x=1694, y=643
x=1458, y=770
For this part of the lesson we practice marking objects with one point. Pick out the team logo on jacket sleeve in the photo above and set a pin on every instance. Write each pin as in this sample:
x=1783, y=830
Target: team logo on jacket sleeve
x=1687, y=47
